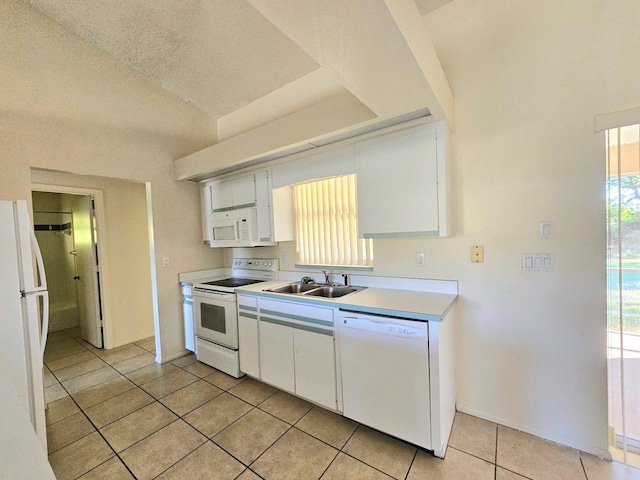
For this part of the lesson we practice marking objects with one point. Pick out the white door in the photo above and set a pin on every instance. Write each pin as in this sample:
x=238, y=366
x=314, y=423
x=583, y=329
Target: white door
x=87, y=273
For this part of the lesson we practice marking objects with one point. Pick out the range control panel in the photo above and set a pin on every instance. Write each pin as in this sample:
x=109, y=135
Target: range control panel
x=268, y=264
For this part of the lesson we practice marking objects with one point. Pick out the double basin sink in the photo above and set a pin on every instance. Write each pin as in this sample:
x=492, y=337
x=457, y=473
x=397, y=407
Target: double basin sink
x=315, y=289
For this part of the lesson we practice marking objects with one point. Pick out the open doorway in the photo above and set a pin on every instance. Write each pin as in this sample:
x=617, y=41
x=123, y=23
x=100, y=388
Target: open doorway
x=623, y=291
x=124, y=243
x=67, y=231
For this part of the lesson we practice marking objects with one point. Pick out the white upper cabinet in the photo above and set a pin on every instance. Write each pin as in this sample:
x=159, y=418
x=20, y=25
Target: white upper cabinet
x=402, y=184
x=232, y=194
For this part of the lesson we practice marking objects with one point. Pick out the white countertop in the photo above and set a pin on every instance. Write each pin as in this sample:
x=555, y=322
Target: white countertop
x=413, y=305
x=201, y=276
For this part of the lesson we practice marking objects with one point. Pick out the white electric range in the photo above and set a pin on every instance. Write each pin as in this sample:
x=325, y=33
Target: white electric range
x=216, y=314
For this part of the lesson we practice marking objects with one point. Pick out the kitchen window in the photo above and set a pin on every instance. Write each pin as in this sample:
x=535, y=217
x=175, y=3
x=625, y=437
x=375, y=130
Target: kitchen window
x=327, y=224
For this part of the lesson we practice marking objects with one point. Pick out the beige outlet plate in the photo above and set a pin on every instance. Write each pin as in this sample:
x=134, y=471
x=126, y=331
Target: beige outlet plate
x=477, y=254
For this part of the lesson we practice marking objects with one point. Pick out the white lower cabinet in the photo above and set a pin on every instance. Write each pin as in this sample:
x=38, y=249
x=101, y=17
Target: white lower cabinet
x=248, y=335
x=296, y=345
x=315, y=366
x=276, y=355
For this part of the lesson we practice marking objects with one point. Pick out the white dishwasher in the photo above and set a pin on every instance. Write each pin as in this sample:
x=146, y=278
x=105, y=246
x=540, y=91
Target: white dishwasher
x=385, y=375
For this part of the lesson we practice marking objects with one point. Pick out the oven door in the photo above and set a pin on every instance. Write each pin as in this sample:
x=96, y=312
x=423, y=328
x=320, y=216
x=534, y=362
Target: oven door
x=216, y=318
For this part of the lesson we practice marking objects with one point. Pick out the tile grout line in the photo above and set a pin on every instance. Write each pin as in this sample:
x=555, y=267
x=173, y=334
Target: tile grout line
x=495, y=457
x=330, y=463
x=101, y=436
x=583, y=467
x=85, y=373
x=413, y=459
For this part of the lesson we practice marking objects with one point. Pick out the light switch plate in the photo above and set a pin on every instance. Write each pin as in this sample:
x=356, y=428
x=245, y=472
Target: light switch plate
x=546, y=230
x=419, y=259
x=538, y=262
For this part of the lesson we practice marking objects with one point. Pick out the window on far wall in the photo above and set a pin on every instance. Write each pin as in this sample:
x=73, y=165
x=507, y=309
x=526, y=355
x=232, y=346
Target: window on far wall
x=327, y=224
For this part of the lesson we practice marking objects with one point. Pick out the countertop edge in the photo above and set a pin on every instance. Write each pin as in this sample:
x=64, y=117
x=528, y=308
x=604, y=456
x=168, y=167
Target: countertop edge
x=347, y=303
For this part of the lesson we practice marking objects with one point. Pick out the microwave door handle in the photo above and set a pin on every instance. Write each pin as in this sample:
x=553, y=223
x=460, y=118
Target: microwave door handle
x=239, y=230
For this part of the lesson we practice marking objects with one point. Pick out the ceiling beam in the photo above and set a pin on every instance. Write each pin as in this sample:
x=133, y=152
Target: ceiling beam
x=307, y=90
x=379, y=50
x=409, y=21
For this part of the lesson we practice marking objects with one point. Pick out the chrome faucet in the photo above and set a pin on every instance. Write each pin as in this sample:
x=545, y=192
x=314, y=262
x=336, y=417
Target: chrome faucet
x=346, y=279
x=326, y=277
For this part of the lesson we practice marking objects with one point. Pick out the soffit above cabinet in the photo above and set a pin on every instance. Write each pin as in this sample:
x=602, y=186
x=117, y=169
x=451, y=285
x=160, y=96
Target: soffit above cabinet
x=283, y=138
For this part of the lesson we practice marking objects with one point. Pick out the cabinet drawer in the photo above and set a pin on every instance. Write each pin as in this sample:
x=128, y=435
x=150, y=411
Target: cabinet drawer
x=187, y=291
x=298, y=326
x=296, y=312
x=247, y=303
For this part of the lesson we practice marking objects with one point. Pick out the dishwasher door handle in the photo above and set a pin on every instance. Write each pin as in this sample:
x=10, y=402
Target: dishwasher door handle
x=387, y=327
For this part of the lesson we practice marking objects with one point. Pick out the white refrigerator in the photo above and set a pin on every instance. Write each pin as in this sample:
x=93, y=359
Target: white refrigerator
x=24, y=311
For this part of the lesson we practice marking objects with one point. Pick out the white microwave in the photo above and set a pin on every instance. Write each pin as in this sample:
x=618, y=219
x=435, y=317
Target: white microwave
x=234, y=228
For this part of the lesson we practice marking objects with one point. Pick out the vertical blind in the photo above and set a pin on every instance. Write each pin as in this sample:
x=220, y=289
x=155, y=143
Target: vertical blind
x=623, y=287
x=327, y=224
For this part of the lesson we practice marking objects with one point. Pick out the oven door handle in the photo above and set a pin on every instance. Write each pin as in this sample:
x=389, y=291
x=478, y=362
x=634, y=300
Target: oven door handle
x=223, y=296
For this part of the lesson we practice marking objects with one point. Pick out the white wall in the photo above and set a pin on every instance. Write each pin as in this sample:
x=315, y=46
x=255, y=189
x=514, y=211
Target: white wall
x=67, y=106
x=528, y=78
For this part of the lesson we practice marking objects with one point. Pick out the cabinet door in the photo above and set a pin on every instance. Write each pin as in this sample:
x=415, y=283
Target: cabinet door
x=221, y=196
x=243, y=191
x=315, y=367
x=248, y=344
x=398, y=184
x=276, y=355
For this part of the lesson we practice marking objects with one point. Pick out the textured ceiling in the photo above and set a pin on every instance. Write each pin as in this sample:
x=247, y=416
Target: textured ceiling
x=256, y=76
x=217, y=54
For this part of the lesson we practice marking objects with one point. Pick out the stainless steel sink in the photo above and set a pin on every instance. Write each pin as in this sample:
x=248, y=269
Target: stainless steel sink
x=332, y=291
x=295, y=288
x=314, y=289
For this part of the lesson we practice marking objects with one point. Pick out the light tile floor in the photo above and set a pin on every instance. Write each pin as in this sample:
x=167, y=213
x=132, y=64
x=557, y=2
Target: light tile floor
x=118, y=415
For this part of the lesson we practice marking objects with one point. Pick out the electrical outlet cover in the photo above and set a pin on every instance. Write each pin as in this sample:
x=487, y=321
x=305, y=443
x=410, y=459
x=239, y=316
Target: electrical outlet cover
x=477, y=254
